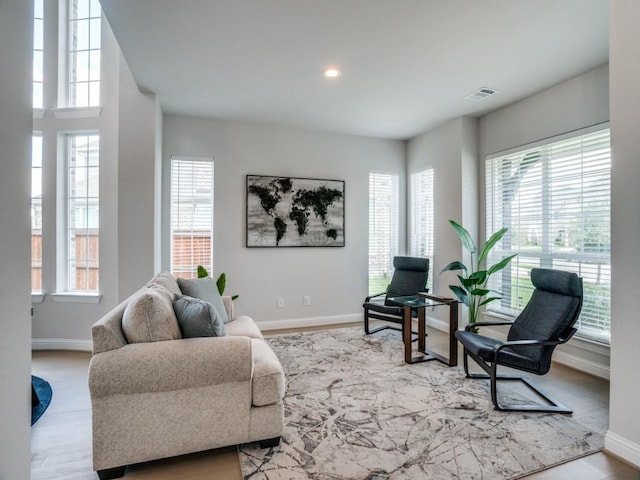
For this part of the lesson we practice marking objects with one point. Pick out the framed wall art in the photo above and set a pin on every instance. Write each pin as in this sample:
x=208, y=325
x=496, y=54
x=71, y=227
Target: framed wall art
x=294, y=212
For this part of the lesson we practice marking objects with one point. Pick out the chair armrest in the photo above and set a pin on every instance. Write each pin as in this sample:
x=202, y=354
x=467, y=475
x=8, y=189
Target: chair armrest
x=170, y=365
x=488, y=324
x=534, y=343
x=368, y=299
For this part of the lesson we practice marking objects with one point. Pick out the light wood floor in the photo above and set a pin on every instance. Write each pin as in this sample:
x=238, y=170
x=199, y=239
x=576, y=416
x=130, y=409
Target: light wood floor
x=61, y=439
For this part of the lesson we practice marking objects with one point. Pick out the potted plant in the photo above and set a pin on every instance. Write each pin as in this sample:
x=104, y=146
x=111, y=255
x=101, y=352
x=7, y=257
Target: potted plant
x=472, y=290
x=221, y=282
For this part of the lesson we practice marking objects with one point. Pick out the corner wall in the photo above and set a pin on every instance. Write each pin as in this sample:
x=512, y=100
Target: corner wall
x=334, y=278
x=451, y=150
x=15, y=165
x=623, y=437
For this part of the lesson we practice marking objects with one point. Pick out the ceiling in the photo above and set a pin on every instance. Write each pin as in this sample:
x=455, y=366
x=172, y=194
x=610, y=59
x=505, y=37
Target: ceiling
x=406, y=64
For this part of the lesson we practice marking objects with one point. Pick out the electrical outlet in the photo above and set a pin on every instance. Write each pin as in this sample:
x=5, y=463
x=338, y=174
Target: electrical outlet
x=280, y=302
x=306, y=300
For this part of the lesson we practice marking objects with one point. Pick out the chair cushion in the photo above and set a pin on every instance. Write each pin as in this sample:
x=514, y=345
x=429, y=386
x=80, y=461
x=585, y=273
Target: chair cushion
x=197, y=318
x=484, y=348
x=204, y=289
x=268, y=382
x=149, y=316
x=243, y=326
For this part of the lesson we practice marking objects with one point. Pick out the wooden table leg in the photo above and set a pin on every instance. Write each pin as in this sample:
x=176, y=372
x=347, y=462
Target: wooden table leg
x=422, y=330
x=406, y=330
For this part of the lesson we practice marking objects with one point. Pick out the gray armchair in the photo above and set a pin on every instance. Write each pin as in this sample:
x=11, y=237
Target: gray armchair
x=409, y=277
x=547, y=321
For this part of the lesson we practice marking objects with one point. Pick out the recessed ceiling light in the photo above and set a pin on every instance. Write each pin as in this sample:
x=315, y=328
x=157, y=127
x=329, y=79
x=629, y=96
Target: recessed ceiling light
x=331, y=72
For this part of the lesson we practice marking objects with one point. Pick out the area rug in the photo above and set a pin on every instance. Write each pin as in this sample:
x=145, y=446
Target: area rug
x=43, y=392
x=355, y=410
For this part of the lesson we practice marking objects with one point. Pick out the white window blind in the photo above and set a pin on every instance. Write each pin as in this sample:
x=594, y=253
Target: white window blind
x=383, y=228
x=555, y=200
x=84, y=50
x=422, y=218
x=83, y=212
x=191, y=216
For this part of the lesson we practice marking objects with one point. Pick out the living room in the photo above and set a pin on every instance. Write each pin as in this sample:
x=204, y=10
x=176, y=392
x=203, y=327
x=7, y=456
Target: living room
x=145, y=137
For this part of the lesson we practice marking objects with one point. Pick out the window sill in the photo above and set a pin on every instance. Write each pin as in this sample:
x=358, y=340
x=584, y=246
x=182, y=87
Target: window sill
x=37, y=297
x=66, y=113
x=76, y=297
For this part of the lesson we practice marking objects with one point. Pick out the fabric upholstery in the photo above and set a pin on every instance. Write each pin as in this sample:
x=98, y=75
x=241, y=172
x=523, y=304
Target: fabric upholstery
x=243, y=326
x=166, y=280
x=197, y=318
x=160, y=399
x=268, y=381
x=149, y=316
x=204, y=289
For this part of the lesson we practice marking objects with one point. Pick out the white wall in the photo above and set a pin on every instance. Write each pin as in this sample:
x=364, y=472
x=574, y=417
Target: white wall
x=129, y=127
x=15, y=163
x=334, y=278
x=451, y=150
x=623, y=437
x=577, y=103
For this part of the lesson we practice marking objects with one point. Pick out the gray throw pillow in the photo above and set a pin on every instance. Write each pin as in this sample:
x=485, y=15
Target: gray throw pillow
x=197, y=318
x=204, y=289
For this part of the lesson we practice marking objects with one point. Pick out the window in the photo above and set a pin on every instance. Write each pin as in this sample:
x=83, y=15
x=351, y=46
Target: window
x=83, y=214
x=84, y=32
x=422, y=218
x=38, y=53
x=191, y=216
x=555, y=200
x=36, y=213
x=383, y=229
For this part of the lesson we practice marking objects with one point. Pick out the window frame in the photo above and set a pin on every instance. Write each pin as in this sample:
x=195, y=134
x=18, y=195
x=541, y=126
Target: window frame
x=421, y=220
x=557, y=157
x=65, y=278
x=199, y=258
x=383, y=266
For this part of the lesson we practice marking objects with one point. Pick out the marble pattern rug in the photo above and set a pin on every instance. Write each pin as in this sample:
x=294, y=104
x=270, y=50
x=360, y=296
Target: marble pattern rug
x=355, y=410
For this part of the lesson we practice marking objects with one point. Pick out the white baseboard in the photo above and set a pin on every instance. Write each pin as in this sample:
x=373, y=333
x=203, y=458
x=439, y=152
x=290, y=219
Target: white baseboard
x=268, y=325
x=623, y=448
x=573, y=361
x=61, y=344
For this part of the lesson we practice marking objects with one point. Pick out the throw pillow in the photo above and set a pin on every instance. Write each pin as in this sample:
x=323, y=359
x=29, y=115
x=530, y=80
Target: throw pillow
x=197, y=318
x=149, y=317
x=204, y=289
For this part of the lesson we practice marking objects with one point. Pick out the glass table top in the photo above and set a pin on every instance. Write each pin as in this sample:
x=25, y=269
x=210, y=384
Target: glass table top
x=418, y=301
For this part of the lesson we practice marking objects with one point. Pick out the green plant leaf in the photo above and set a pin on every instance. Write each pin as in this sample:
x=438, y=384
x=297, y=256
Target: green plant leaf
x=460, y=293
x=454, y=266
x=221, y=283
x=464, y=236
x=479, y=277
x=495, y=238
x=202, y=272
x=234, y=297
x=489, y=300
x=480, y=292
x=501, y=264
x=466, y=283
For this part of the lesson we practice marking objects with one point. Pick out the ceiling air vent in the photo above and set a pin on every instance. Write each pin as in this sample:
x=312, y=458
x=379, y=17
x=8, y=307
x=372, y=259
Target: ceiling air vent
x=480, y=94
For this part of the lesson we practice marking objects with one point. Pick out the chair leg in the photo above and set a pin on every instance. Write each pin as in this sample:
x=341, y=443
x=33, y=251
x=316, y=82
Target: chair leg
x=492, y=375
x=111, y=473
x=270, y=442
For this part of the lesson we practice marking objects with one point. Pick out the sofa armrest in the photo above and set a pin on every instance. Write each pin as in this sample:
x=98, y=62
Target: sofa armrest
x=170, y=365
x=228, y=306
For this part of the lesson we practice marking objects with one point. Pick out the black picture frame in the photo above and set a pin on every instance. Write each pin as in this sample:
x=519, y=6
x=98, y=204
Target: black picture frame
x=294, y=212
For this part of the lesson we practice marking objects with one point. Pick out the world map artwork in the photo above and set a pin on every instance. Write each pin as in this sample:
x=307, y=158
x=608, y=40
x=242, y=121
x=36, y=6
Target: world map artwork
x=294, y=212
